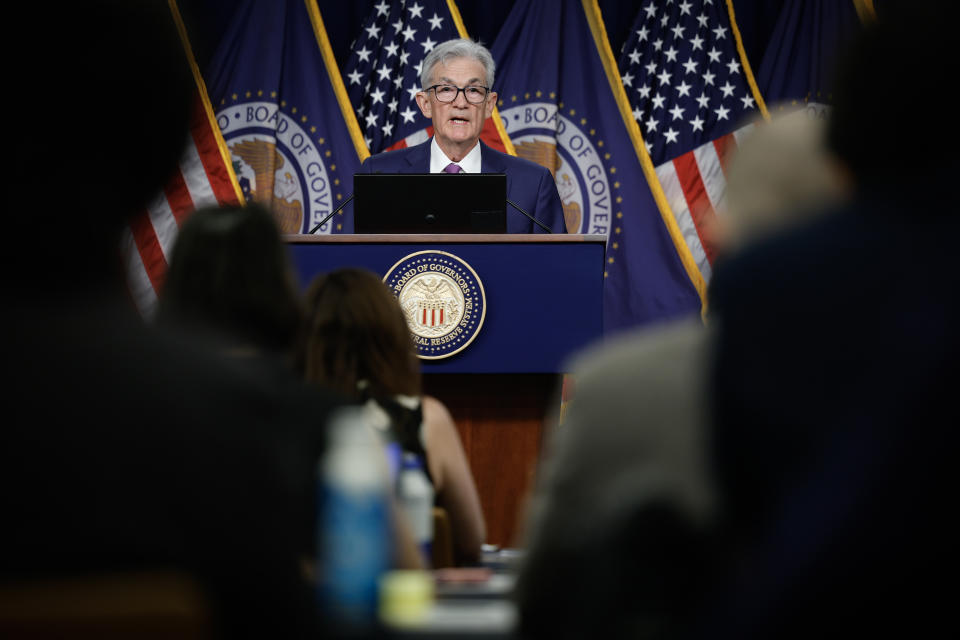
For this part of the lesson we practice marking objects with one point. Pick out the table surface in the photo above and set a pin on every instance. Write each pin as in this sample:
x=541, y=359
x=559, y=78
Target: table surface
x=478, y=606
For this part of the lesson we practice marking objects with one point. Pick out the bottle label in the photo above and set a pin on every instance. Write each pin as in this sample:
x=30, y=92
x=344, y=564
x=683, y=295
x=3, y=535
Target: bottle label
x=353, y=552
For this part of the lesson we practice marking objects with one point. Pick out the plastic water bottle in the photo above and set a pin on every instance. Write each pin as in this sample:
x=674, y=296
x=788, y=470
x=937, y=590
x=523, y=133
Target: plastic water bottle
x=353, y=533
x=415, y=495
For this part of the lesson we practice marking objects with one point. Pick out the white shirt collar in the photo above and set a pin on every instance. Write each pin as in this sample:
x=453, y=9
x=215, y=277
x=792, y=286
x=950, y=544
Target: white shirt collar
x=439, y=160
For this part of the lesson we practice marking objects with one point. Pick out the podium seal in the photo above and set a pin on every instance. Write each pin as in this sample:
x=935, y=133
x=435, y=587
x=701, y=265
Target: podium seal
x=443, y=301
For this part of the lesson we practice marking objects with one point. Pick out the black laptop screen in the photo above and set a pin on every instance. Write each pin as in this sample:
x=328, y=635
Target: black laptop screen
x=430, y=203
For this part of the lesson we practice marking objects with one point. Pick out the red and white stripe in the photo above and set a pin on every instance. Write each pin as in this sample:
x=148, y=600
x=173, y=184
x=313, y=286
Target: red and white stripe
x=695, y=186
x=202, y=179
x=413, y=139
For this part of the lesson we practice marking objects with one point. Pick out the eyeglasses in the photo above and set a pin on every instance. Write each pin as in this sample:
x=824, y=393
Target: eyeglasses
x=474, y=94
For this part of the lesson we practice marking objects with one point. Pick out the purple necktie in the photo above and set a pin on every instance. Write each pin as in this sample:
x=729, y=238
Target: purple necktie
x=453, y=168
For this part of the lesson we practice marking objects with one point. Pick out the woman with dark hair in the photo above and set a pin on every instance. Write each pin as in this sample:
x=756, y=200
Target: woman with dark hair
x=357, y=342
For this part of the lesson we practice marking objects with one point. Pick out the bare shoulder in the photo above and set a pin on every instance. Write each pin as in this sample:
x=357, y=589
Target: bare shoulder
x=442, y=442
x=434, y=410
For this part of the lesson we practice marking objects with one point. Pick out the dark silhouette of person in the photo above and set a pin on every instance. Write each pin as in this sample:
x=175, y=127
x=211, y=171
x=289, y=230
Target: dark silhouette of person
x=126, y=448
x=834, y=419
x=625, y=500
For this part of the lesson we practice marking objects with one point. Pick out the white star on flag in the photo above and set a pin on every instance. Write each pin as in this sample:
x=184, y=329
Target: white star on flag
x=383, y=71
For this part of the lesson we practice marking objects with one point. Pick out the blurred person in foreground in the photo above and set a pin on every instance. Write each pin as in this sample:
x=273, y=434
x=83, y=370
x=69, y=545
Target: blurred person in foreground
x=834, y=380
x=357, y=341
x=626, y=507
x=128, y=451
x=231, y=287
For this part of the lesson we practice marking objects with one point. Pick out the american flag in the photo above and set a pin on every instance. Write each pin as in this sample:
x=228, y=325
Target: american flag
x=382, y=74
x=693, y=96
x=204, y=177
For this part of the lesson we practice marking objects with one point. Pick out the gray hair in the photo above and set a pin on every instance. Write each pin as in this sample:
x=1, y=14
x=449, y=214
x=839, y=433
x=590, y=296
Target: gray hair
x=457, y=48
x=781, y=174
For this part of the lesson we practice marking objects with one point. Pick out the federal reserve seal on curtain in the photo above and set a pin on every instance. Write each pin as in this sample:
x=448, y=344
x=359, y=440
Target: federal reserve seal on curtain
x=280, y=163
x=556, y=137
x=443, y=301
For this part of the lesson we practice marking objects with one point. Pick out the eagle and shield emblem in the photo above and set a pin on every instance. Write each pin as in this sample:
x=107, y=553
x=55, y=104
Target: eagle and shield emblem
x=281, y=164
x=442, y=299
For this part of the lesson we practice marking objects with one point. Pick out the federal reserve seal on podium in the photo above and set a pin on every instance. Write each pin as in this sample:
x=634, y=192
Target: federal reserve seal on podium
x=443, y=301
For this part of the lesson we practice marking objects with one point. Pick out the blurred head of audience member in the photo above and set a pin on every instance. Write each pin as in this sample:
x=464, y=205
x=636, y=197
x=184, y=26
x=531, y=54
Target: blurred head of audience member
x=356, y=338
x=780, y=175
x=230, y=278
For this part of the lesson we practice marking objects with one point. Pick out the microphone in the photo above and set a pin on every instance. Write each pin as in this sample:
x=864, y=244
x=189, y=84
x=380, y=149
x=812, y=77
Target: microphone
x=537, y=222
x=330, y=215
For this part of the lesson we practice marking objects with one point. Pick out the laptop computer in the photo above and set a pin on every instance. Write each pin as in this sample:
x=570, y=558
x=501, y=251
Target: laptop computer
x=430, y=203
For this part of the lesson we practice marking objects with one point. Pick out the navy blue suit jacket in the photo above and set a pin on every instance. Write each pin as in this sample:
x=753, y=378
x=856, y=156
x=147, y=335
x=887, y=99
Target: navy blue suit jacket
x=530, y=186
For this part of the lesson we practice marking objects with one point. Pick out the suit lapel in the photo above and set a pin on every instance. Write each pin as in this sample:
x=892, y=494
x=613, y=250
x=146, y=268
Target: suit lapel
x=490, y=160
x=419, y=157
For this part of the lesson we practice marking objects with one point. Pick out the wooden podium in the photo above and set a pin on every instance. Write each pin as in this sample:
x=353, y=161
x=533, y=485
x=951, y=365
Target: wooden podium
x=543, y=300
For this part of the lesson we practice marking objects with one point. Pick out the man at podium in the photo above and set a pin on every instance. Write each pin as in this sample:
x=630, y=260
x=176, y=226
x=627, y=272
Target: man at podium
x=457, y=81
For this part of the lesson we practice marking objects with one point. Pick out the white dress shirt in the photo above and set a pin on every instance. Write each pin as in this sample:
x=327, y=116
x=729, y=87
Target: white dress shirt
x=439, y=160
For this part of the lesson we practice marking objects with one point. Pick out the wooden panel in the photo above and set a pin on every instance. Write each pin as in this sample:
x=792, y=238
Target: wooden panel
x=501, y=419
